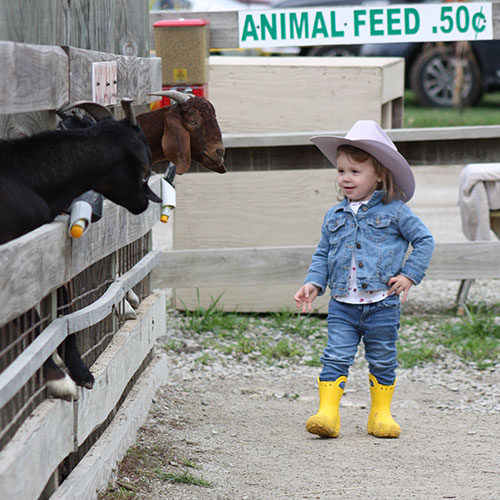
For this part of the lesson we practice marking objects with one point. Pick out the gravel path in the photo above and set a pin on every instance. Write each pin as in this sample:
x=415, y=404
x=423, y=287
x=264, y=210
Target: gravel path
x=239, y=423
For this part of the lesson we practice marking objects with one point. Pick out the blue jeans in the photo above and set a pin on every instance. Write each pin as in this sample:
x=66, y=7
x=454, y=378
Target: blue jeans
x=377, y=323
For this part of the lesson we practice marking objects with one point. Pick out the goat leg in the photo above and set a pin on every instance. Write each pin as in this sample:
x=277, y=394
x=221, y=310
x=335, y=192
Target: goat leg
x=77, y=369
x=59, y=384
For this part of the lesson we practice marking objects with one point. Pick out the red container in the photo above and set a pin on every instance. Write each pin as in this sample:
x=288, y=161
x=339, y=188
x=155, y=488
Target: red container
x=183, y=45
x=198, y=90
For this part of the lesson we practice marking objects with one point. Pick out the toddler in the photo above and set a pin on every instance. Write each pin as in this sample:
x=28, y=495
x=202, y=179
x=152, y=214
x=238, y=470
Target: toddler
x=361, y=256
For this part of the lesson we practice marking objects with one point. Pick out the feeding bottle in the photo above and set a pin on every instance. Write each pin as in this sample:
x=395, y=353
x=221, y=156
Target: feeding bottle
x=85, y=209
x=167, y=194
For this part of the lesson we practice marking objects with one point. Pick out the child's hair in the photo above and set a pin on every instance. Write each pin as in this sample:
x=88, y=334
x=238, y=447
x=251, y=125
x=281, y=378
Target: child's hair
x=391, y=191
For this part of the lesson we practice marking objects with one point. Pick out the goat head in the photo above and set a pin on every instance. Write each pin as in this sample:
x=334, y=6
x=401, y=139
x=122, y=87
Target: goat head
x=185, y=131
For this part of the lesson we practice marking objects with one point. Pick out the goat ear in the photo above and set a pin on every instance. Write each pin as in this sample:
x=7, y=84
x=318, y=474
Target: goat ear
x=175, y=142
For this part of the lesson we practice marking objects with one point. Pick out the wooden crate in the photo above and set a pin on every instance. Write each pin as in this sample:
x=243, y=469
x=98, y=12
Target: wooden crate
x=291, y=94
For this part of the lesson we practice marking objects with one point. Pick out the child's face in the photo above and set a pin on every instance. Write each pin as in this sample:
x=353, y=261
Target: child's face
x=357, y=181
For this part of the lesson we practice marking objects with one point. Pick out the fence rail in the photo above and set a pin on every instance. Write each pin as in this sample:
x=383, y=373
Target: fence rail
x=282, y=265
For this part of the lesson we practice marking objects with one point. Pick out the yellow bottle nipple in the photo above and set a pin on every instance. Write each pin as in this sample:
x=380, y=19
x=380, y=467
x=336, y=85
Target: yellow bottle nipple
x=77, y=228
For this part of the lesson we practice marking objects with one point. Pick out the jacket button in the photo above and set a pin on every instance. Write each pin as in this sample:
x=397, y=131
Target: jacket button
x=364, y=208
x=364, y=286
x=358, y=245
x=360, y=264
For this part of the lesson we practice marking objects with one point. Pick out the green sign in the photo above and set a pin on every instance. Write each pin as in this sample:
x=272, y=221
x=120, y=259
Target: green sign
x=358, y=25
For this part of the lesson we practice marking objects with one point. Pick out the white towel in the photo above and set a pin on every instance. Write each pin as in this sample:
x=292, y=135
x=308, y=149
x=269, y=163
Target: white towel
x=479, y=192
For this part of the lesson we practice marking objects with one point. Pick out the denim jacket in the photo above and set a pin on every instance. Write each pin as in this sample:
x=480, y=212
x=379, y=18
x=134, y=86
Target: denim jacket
x=379, y=234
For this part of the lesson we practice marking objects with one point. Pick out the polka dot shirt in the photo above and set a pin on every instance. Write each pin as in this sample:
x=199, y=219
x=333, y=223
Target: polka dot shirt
x=354, y=294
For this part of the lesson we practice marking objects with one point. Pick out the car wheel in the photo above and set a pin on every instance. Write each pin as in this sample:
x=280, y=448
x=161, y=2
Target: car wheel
x=334, y=51
x=432, y=77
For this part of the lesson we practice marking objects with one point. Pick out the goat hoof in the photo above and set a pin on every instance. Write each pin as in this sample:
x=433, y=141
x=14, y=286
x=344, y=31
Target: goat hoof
x=128, y=311
x=86, y=381
x=133, y=299
x=63, y=388
x=82, y=376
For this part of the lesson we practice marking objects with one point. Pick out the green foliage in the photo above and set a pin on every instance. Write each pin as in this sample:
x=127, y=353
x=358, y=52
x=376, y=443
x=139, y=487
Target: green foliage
x=295, y=323
x=475, y=338
x=184, y=478
x=486, y=112
x=410, y=355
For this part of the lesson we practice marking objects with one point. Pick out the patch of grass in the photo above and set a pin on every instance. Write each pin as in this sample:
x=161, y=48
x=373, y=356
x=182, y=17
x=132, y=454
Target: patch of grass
x=204, y=359
x=173, y=345
x=183, y=478
x=284, y=348
x=410, y=356
x=120, y=493
x=213, y=319
x=295, y=323
x=486, y=112
x=475, y=338
x=190, y=463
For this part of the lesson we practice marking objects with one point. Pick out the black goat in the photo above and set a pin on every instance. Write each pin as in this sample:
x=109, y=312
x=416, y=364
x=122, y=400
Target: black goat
x=42, y=174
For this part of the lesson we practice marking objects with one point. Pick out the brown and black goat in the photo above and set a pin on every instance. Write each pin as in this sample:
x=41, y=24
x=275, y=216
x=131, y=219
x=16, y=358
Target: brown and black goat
x=184, y=131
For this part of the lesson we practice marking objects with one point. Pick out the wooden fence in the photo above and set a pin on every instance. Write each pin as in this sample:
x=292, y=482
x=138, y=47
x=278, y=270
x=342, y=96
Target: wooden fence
x=46, y=455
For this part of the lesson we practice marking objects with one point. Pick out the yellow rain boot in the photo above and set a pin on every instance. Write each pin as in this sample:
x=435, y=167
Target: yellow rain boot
x=326, y=423
x=380, y=421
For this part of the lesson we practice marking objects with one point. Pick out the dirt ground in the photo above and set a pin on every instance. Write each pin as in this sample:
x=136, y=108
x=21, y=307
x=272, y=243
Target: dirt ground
x=247, y=436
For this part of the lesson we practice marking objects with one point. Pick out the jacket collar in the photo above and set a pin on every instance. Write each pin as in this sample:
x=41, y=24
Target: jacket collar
x=374, y=200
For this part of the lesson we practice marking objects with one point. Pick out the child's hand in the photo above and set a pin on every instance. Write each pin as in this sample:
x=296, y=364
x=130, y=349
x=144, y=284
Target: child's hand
x=305, y=296
x=400, y=284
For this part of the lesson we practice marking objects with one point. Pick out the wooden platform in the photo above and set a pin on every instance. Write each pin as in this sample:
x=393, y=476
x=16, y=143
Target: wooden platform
x=291, y=94
x=277, y=209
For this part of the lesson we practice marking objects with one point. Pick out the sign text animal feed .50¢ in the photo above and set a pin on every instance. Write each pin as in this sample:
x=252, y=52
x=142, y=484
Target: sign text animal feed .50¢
x=357, y=25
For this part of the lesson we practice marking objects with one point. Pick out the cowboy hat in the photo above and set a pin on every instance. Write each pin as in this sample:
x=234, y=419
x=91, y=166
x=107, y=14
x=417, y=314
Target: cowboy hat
x=369, y=136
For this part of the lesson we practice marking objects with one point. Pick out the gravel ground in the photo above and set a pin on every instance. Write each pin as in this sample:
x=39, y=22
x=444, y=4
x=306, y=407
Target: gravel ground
x=238, y=423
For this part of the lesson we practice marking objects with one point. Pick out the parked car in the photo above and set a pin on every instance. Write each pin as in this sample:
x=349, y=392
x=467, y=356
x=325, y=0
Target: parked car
x=431, y=68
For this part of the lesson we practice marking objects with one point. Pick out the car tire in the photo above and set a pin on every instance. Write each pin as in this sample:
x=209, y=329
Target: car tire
x=433, y=73
x=334, y=51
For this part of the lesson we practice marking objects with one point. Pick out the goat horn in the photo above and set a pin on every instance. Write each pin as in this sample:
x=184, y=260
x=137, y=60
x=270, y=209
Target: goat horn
x=180, y=97
x=129, y=111
x=98, y=111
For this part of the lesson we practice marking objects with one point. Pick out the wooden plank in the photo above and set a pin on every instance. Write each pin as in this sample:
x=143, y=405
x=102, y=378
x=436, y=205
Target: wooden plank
x=32, y=358
x=137, y=76
x=16, y=126
x=288, y=265
x=418, y=135
x=265, y=94
x=233, y=266
x=426, y=146
x=95, y=469
x=36, y=450
x=93, y=24
x=44, y=22
x=118, y=363
x=22, y=260
x=33, y=77
x=102, y=307
x=132, y=28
